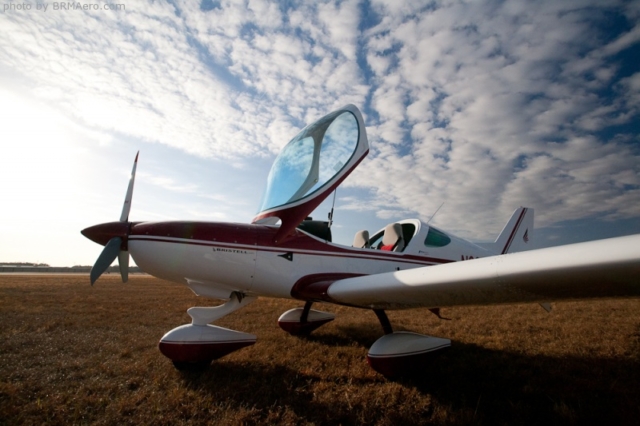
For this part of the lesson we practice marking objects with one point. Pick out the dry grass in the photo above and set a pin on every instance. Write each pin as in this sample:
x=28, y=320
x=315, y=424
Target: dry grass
x=72, y=354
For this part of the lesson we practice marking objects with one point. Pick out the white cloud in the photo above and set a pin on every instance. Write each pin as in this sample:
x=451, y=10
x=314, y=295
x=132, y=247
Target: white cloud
x=482, y=105
x=508, y=95
x=341, y=23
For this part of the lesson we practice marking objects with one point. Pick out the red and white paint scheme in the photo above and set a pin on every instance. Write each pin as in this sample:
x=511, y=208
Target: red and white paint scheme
x=407, y=264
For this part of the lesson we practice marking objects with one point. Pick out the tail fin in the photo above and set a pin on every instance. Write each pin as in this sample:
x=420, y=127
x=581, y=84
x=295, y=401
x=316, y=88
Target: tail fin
x=517, y=233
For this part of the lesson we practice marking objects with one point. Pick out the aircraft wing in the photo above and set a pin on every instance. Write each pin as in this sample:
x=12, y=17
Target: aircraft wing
x=596, y=269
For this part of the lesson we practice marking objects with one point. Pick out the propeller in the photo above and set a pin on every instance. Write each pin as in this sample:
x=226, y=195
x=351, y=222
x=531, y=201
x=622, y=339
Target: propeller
x=118, y=233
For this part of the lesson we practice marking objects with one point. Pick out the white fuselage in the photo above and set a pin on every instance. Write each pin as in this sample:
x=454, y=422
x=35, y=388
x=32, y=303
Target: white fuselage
x=218, y=259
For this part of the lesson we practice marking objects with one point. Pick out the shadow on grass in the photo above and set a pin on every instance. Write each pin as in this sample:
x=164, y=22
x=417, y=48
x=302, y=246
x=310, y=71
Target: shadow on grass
x=362, y=334
x=271, y=389
x=509, y=388
x=472, y=383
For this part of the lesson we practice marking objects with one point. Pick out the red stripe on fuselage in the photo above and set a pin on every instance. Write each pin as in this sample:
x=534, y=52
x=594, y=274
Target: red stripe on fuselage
x=261, y=238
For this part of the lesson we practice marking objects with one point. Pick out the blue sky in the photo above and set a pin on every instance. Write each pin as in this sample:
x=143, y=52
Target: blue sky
x=483, y=106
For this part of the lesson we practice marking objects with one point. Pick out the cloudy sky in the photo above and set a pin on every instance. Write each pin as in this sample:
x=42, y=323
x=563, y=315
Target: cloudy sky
x=483, y=106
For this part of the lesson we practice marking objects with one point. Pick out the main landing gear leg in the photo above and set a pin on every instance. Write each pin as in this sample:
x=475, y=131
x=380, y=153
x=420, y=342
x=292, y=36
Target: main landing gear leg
x=302, y=321
x=304, y=317
x=403, y=352
x=193, y=346
x=384, y=321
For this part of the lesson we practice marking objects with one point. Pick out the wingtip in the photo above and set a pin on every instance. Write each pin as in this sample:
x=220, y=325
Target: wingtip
x=136, y=160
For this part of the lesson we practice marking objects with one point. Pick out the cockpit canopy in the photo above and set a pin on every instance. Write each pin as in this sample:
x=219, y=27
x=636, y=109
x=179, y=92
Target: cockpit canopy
x=311, y=159
x=312, y=164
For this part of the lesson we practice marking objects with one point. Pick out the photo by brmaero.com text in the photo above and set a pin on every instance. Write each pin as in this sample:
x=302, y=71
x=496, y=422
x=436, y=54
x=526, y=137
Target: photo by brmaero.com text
x=44, y=7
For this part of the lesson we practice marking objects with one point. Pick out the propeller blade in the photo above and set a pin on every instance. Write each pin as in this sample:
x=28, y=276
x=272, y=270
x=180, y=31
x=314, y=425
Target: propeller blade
x=126, y=207
x=106, y=258
x=123, y=262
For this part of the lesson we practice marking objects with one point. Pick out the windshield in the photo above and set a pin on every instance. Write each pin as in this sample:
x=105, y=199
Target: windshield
x=311, y=159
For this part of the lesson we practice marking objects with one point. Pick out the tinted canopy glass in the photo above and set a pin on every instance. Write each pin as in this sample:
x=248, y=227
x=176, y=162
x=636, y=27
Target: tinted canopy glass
x=312, y=158
x=436, y=238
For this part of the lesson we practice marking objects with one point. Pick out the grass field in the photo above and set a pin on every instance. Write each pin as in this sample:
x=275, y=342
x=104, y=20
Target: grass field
x=73, y=354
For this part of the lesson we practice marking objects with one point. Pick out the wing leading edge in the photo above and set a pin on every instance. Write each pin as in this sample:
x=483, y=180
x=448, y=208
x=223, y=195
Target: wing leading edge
x=595, y=269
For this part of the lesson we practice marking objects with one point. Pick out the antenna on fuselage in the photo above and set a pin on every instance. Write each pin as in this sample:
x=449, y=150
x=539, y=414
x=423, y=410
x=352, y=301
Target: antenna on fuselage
x=332, y=206
x=437, y=210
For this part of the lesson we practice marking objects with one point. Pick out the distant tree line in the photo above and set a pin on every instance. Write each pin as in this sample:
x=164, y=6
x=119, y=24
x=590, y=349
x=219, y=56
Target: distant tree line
x=44, y=267
x=24, y=264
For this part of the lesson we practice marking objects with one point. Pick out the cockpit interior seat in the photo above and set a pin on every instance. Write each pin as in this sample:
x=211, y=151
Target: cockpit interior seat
x=392, y=239
x=361, y=240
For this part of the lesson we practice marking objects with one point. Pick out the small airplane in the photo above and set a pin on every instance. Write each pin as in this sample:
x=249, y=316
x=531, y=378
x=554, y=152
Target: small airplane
x=285, y=254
